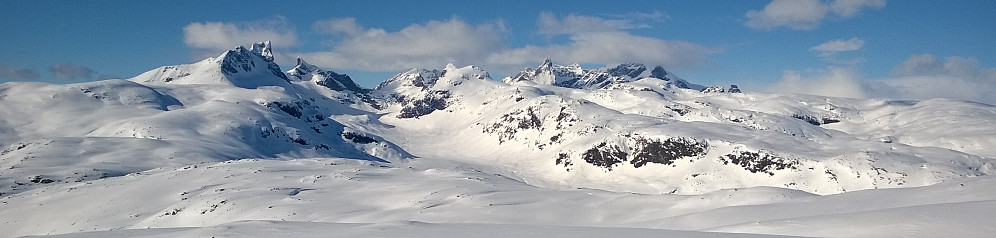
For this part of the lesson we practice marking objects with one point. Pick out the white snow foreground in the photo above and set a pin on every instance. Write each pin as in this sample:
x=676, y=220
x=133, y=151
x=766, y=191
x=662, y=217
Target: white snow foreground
x=553, y=151
x=429, y=197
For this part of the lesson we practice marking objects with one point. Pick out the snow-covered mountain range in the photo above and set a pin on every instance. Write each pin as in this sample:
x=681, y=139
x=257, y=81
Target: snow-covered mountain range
x=236, y=137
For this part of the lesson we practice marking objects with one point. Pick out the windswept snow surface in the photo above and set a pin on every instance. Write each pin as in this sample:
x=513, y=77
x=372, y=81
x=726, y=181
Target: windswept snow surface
x=235, y=146
x=424, y=192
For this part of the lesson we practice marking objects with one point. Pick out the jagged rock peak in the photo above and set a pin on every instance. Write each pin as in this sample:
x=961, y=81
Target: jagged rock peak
x=302, y=68
x=242, y=61
x=547, y=63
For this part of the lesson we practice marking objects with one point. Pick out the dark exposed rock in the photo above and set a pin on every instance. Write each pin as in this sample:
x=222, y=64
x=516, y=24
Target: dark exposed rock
x=432, y=101
x=681, y=109
x=294, y=109
x=714, y=89
x=300, y=141
x=358, y=138
x=241, y=60
x=564, y=159
x=759, y=162
x=631, y=70
x=665, y=151
x=734, y=89
x=816, y=121
x=604, y=155
x=339, y=82
x=40, y=179
x=513, y=122
x=659, y=72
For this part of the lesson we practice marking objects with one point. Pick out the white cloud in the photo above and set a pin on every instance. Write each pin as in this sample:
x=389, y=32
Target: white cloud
x=427, y=45
x=70, y=71
x=18, y=73
x=610, y=47
x=920, y=77
x=924, y=76
x=833, y=81
x=590, y=40
x=223, y=36
x=804, y=14
x=794, y=14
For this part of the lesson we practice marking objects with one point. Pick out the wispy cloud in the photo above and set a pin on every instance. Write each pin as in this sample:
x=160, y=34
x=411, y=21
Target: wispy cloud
x=222, y=35
x=840, y=45
x=849, y=8
x=550, y=25
x=829, y=51
x=805, y=14
x=71, y=71
x=17, y=73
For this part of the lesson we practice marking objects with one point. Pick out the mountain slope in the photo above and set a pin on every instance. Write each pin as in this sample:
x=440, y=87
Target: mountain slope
x=642, y=136
x=427, y=192
x=236, y=138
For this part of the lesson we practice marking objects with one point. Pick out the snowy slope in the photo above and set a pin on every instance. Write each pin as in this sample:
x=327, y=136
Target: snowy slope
x=623, y=149
x=396, y=229
x=426, y=192
x=642, y=136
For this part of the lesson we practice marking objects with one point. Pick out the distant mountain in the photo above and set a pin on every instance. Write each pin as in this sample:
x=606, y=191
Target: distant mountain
x=573, y=76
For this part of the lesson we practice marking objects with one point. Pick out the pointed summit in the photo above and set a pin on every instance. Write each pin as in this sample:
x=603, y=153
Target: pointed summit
x=302, y=68
x=262, y=49
x=547, y=64
x=304, y=71
x=240, y=63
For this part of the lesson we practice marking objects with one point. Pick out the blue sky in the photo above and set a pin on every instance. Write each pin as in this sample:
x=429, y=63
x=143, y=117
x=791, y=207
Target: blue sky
x=852, y=48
